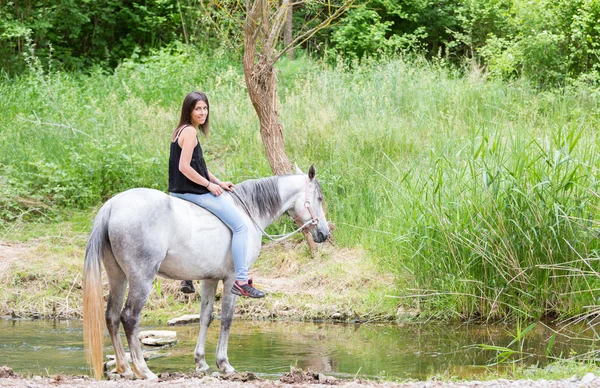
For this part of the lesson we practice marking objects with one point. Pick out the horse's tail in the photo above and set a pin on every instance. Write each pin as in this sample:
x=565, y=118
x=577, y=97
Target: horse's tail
x=93, y=302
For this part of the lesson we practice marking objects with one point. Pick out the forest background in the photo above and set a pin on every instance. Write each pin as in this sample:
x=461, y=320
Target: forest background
x=456, y=141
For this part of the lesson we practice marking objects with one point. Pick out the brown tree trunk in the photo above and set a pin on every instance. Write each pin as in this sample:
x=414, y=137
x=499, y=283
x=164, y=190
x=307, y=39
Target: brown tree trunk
x=261, y=82
x=262, y=89
x=288, y=36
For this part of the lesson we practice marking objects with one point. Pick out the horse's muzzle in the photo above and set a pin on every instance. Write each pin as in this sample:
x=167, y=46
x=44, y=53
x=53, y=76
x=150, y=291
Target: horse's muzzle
x=320, y=236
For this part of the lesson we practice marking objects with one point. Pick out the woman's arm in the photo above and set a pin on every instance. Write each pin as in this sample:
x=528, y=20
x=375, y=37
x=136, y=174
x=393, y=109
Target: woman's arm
x=213, y=178
x=187, y=142
x=224, y=185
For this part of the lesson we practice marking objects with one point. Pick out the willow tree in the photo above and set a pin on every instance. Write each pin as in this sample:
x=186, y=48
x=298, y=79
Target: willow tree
x=262, y=30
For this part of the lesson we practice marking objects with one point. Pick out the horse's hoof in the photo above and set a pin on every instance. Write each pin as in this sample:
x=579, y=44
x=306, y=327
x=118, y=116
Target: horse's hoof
x=149, y=376
x=128, y=374
x=202, y=368
x=227, y=369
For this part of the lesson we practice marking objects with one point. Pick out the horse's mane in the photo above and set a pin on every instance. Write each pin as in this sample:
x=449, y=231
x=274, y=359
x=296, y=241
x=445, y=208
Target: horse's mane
x=261, y=196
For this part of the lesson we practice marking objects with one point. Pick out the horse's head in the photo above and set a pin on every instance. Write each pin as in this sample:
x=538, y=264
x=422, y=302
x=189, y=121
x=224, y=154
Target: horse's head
x=308, y=208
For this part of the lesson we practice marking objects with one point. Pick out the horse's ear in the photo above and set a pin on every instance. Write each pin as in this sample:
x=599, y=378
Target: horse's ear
x=298, y=171
x=312, y=172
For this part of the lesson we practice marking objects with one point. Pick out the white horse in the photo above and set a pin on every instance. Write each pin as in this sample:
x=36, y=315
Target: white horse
x=141, y=233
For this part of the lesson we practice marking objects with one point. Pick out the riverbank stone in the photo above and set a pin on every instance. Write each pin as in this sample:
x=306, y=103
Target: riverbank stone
x=588, y=378
x=158, y=337
x=406, y=314
x=184, y=320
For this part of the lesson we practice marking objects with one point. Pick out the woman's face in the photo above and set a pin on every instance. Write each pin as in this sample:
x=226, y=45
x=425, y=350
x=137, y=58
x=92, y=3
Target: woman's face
x=199, y=113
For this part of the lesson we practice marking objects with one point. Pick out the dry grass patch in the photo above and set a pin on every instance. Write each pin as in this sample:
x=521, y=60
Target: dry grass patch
x=43, y=278
x=338, y=283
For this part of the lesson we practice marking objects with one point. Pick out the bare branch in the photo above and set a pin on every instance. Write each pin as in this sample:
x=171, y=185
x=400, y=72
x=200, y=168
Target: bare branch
x=229, y=13
x=39, y=122
x=278, y=23
x=252, y=14
x=218, y=27
x=185, y=34
x=308, y=34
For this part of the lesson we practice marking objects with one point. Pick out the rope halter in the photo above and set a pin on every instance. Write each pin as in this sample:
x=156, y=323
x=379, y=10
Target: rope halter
x=314, y=220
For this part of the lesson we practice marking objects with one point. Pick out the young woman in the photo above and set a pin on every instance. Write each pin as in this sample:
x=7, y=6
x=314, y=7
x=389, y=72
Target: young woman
x=189, y=179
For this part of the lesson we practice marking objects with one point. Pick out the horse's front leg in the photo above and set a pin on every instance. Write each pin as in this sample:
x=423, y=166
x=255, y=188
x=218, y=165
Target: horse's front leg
x=228, y=304
x=209, y=287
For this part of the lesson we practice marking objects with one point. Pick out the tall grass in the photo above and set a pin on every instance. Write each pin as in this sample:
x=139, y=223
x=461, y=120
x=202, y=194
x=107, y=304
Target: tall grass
x=480, y=197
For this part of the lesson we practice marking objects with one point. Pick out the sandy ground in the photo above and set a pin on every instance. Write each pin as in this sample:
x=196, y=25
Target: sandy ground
x=9, y=254
x=295, y=378
x=78, y=382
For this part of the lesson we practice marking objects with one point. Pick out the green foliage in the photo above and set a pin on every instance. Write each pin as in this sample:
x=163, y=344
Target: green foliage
x=361, y=32
x=482, y=205
x=548, y=42
x=71, y=140
x=551, y=43
x=514, y=352
x=83, y=33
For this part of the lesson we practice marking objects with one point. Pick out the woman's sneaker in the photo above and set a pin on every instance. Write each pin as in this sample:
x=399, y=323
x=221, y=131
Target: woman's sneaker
x=246, y=289
x=187, y=287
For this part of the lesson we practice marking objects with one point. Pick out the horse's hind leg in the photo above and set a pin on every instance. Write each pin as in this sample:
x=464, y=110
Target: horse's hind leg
x=139, y=289
x=227, y=306
x=117, y=283
x=209, y=287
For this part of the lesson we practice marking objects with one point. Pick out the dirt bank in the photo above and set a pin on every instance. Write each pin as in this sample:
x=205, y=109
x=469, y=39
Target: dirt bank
x=42, y=278
x=295, y=378
x=214, y=383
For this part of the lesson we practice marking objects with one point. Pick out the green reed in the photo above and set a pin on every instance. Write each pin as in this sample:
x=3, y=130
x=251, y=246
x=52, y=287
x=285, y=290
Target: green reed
x=480, y=197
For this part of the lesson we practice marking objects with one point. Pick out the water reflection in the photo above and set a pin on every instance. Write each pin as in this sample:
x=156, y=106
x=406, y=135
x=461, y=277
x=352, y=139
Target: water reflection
x=270, y=348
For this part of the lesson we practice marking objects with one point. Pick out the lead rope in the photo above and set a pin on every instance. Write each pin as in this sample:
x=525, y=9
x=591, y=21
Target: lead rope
x=277, y=237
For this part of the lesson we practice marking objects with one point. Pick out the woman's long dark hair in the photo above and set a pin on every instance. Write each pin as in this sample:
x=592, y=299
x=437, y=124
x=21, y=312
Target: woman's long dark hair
x=189, y=103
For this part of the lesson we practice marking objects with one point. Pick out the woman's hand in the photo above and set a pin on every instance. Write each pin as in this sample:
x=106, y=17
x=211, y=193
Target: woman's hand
x=215, y=189
x=227, y=186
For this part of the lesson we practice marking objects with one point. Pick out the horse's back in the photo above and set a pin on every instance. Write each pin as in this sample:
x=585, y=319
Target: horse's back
x=138, y=209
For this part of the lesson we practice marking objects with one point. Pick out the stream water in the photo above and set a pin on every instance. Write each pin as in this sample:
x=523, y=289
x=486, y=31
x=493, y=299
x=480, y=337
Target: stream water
x=41, y=347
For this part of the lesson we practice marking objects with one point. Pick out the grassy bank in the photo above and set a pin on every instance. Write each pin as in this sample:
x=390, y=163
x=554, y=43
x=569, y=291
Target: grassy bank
x=479, y=198
x=41, y=264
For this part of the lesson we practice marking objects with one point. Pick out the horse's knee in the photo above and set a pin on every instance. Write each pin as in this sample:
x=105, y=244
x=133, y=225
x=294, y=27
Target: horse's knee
x=111, y=321
x=128, y=320
x=206, y=304
x=226, y=323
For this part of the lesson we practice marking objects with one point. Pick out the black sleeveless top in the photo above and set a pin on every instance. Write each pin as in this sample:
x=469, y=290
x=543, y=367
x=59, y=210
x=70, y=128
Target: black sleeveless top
x=179, y=183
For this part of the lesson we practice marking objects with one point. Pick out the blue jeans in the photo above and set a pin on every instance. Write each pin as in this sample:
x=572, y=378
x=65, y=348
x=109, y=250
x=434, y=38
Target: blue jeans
x=230, y=217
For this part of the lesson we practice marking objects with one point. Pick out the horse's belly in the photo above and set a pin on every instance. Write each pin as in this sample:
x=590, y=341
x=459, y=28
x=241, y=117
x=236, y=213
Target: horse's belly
x=195, y=268
x=200, y=248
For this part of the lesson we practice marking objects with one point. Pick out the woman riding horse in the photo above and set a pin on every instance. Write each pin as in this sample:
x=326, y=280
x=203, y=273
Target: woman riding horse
x=141, y=233
x=189, y=179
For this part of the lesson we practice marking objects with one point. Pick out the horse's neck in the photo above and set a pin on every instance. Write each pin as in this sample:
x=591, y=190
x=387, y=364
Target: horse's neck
x=290, y=187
